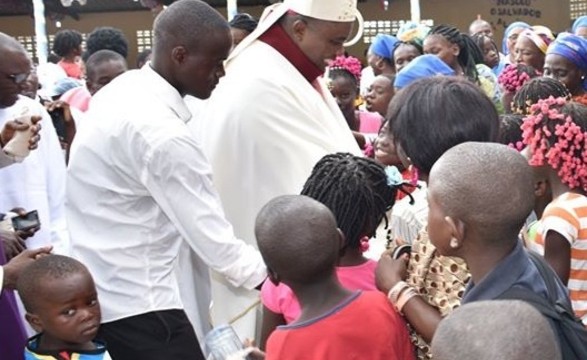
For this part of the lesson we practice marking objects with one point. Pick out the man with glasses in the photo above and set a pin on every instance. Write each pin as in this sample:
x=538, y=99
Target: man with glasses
x=38, y=183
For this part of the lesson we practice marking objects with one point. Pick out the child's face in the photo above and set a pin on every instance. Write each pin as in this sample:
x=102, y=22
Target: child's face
x=490, y=53
x=379, y=95
x=403, y=55
x=67, y=312
x=345, y=93
x=385, y=151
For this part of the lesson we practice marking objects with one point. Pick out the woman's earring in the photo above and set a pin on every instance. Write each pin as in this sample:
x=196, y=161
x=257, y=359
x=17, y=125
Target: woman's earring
x=454, y=243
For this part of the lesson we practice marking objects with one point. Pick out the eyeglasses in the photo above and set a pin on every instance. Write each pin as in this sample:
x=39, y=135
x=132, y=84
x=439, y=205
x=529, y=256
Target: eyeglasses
x=18, y=78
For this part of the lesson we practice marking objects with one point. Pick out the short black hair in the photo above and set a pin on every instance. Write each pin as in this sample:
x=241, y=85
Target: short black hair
x=539, y=88
x=244, y=22
x=406, y=43
x=355, y=189
x=432, y=115
x=30, y=281
x=510, y=131
x=107, y=38
x=479, y=39
x=66, y=41
x=100, y=57
x=143, y=56
x=334, y=73
x=468, y=53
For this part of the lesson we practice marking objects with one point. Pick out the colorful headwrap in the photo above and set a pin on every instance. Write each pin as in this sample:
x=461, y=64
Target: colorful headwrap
x=347, y=63
x=508, y=31
x=581, y=21
x=411, y=31
x=421, y=67
x=571, y=47
x=383, y=45
x=539, y=37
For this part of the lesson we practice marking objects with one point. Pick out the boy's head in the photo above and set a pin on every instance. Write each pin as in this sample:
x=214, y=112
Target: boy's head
x=479, y=196
x=61, y=301
x=298, y=239
x=488, y=330
x=102, y=67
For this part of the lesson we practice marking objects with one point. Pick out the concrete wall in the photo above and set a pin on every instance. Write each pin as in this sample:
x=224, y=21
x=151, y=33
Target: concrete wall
x=552, y=13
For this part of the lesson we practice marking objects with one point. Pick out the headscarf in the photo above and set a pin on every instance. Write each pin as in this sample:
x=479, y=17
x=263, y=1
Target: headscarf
x=581, y=21
x=541, y=36
x=508, y=31
x=421, y=67
x=571, y=47
x=244, y=22
x=413, y=32
x=383, y=45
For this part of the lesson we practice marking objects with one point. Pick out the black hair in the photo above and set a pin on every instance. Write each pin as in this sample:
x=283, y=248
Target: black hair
x=34, y=275
x=355, y=189
x=510, y=131
x=244, y=22
x=66, y=41
x=333, y=73
x=431, y=115
x=107, y=38
x=409, y=43
x=100, y=57
x=468, y=49
x=537, y=89
x=479, y=39
x=53, y=58
x=142, y=57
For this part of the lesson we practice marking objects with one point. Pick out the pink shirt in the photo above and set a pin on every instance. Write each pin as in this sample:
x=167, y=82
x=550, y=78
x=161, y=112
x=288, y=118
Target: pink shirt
x=370, y=122
x=73, y=70
x=280, y=299
x=78, y=98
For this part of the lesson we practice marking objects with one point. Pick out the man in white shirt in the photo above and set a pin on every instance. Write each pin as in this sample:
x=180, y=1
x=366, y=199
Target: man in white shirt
x=271, y=119
x=139, y=185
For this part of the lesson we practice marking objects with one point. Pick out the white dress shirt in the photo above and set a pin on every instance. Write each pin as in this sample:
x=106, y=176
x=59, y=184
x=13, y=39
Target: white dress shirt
x=38, y=182
x=138, y=183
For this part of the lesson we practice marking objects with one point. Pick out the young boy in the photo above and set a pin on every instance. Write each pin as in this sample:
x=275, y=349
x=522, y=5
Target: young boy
x=480, y=194
x=61, y=302
x=300, y=243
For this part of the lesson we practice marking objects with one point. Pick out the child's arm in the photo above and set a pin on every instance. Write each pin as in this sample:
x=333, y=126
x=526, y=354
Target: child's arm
x=271, y=320
x=557, y=252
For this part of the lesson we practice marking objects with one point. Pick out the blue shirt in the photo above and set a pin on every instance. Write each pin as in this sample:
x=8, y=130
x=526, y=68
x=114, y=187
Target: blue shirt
x=32, y=352
x=516, y=269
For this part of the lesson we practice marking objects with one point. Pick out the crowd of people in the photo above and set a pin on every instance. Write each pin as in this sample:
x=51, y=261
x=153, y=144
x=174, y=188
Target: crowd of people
x=427, y=202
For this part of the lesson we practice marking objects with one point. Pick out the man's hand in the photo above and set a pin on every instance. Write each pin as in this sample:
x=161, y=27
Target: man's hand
x=15, y=266
x=12, y=243
x=11, y=127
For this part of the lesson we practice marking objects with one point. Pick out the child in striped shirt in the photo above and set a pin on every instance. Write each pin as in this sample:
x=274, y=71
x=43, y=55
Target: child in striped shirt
x=555, y=135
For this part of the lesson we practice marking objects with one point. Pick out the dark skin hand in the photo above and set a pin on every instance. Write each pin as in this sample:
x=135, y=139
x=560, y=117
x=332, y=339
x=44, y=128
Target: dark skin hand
x=15, y=266
x=70, y=128
x=11, y=127
x=14, y=241
x=557, y=252
x=423, y=317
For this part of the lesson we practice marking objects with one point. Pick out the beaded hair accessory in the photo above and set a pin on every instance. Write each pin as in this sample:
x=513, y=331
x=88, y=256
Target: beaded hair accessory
x=347, y=63
x=557, y=141
x=512, y=80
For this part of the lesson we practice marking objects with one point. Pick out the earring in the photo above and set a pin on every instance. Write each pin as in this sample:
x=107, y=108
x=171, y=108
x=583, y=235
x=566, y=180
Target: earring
x=454, y=243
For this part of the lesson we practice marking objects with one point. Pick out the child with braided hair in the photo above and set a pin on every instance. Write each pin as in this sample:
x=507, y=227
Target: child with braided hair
x=555, y=135
x=511, y=80
x=358, y=191
x=344, y=73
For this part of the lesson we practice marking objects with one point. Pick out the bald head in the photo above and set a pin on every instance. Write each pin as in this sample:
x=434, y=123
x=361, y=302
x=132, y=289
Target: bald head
x=8, y=43
x=488, y=186
x=298, y=238
x=488, y=330
x=480, y=26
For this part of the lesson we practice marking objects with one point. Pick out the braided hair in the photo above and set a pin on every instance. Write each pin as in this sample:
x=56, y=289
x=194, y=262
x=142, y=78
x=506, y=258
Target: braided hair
x=66, y=41
x=537, y=89
x=468, y=49
x=355, y=189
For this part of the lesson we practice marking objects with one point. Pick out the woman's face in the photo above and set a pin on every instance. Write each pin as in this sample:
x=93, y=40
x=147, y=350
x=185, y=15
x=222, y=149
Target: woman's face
x=438, y=45
x=526, y=52
x=385, y=151
x=562, y=69
x=403, y=54
x=511, y=41
x=490, y=53
x=379, y=95
x=345, y=93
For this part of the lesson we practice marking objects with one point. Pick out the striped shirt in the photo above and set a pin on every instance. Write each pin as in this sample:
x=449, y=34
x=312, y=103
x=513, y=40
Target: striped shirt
x=567, y=215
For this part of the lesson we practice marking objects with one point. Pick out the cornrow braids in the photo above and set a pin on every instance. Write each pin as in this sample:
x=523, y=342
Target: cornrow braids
x=410, y=43
x=535, y=90
x=479, y=40
x=355, y=189
x=468, y=48
x=341, y=72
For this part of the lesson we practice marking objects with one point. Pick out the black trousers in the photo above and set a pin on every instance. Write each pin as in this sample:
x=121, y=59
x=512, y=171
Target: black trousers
x=159, y=335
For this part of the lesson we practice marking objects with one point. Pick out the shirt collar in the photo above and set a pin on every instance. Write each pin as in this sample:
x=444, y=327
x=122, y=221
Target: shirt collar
x=277, y=38
x=167, y=93
x=500, y=279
